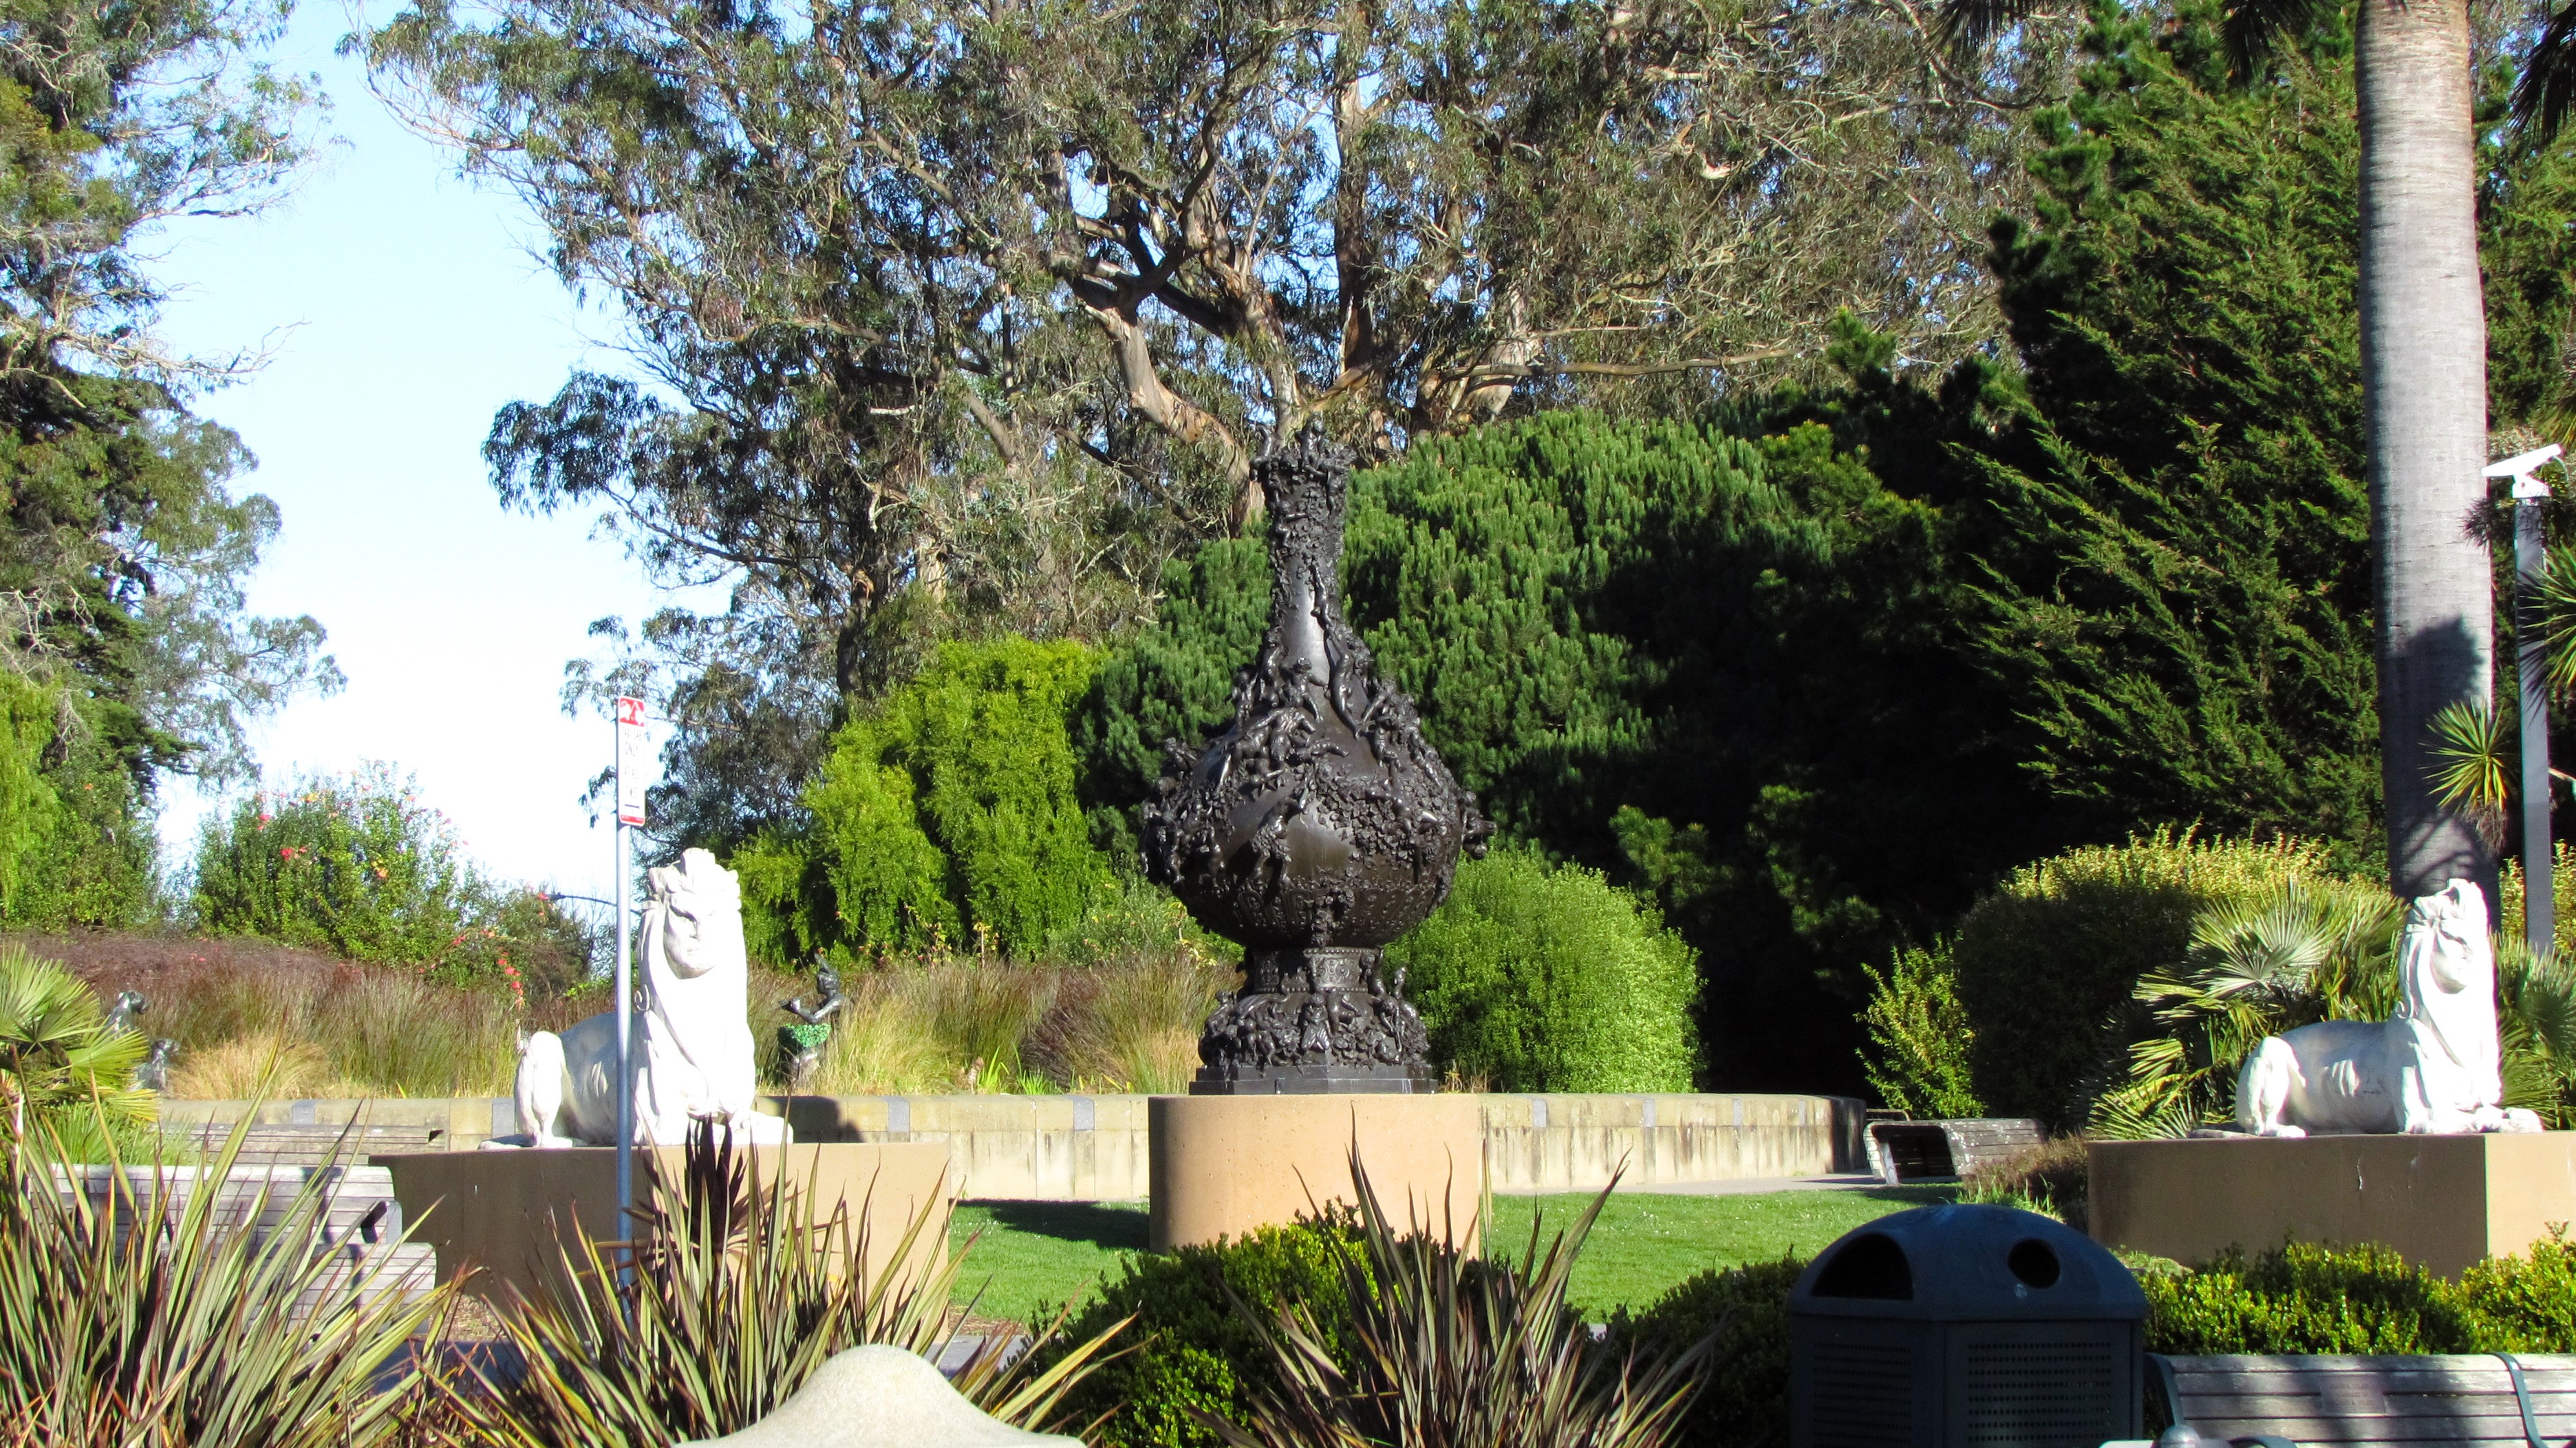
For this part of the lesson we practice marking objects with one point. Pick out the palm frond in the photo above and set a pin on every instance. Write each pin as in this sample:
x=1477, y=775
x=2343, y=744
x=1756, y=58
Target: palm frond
x=2557, y=594
x=2547, y=88
x=2303, y=951
x=2255, y=28
x=1965, y=25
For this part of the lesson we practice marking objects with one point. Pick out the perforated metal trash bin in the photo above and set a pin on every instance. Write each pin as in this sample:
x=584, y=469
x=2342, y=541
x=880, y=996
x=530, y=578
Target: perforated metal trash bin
x=1946, y=1327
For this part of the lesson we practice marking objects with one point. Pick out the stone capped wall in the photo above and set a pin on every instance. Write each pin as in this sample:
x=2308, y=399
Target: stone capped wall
x=1097, y=1148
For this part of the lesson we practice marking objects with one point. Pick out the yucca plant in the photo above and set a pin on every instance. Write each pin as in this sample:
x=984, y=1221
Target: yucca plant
x=1460, y=1351
x=2473, y=766
x=138, y=1314
x=726, y=1300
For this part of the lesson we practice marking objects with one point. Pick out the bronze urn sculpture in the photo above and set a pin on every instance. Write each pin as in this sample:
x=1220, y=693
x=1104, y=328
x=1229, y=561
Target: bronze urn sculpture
x=1314, y=829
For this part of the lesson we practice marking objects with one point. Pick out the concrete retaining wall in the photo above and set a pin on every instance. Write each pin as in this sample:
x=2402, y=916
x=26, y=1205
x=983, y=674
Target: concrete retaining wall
x=1097, y=1148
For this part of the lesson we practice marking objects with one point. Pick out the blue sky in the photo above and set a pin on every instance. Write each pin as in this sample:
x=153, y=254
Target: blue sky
x=405, y=305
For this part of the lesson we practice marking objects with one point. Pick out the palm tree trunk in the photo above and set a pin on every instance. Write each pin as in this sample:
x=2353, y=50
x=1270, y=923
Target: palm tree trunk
x=2423, y=368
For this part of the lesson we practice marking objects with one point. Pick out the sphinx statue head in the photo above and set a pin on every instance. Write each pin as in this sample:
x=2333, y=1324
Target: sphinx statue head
x=693, y=917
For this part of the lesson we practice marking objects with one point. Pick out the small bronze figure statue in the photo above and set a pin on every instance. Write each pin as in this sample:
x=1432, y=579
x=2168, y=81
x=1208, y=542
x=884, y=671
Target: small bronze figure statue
x=1317, y=827
x=120, y=1016
x=154, y=1072
x=800, y=1046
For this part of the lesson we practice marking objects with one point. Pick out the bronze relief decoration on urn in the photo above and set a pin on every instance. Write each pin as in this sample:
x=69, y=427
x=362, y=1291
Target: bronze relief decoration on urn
x=1315, y=828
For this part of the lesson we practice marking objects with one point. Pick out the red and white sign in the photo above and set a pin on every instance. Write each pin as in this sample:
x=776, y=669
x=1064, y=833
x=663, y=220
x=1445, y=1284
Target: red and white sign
x=631, y=756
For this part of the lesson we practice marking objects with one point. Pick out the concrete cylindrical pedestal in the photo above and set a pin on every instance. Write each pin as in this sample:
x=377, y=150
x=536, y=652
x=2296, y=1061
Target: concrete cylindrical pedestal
x=1223, y=1165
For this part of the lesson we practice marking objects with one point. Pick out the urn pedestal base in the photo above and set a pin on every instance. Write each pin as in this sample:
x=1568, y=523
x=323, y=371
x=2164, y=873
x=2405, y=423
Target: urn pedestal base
x=1310, y=1081
x=1224, y=1165
x=1314, y=1022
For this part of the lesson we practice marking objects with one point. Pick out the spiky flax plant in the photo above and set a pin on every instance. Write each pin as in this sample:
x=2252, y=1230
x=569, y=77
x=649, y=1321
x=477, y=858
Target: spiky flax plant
x=730, y=1294
x=1456, y=1350
x=142, y=1308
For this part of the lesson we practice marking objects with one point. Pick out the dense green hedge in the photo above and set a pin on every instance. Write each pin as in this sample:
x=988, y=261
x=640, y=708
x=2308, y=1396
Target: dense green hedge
x=76, y=844
x=1192, y=1344
x=2305, y=1298
x=1543, y=977
x=2296, y=1299
x=2047, y=964
x=1746, y=1402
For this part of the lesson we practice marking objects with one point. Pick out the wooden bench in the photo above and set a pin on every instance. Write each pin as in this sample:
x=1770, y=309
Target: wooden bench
x=1913, y=1151
x=362, y=1223
x=267, y=1144
x=2525, y=1401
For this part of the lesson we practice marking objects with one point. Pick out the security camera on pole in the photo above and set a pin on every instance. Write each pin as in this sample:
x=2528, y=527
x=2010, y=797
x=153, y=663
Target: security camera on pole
x=630, y=816
x=2530, y=558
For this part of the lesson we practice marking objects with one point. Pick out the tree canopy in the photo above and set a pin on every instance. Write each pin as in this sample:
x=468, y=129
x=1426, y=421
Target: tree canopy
x=964, y=316
x=123, y=548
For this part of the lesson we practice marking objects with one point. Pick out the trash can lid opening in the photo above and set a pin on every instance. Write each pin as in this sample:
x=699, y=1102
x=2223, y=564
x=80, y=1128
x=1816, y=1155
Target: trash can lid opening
x=2034, y=1262
x=1869, y=1265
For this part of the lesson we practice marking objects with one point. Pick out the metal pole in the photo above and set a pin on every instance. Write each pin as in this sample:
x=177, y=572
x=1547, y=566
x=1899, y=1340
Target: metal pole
x=625, y=998
x=2530, y=552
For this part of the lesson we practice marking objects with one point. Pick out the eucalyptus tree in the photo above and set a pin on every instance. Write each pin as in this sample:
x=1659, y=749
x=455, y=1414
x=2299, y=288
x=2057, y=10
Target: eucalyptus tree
x=2424, y=396
x=985, y=305
x=123, y=550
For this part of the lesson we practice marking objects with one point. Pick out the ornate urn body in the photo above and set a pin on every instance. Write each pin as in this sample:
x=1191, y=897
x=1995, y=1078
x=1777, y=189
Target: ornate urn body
x=1314, y=829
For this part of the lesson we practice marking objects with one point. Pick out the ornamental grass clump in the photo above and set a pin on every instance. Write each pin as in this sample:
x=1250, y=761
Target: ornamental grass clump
x=728, y=1298
x=143, y=1312
x=1446, y=1349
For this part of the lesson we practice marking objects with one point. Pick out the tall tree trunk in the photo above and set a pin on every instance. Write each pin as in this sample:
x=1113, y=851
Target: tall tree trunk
x=2423, y=370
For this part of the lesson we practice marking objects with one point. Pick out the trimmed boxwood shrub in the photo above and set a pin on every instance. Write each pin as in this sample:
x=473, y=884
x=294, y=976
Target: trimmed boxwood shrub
x=2306, y=1298
x=1542, y=977
x=1746, y=1401
x=1193, y=1343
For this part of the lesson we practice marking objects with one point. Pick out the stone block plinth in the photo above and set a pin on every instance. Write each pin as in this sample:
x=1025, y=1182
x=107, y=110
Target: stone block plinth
x=1223, y=1165
x=507, y=1212
x=2443, y=1201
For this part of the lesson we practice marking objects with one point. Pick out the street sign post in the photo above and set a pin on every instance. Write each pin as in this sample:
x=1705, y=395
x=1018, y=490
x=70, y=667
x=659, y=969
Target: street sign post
x=2530, y=559
x=630, y=816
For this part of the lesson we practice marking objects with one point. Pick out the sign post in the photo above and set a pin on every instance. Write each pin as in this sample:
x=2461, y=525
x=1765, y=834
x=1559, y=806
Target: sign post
x=2530, y=558
x=630, y=816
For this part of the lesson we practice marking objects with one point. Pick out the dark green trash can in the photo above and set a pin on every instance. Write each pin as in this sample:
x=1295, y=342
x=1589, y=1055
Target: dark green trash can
x=1965, y=1327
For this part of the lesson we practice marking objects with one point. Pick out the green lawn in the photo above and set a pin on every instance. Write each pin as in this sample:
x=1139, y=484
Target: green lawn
x=1647, y=1241
x=1030, y=1253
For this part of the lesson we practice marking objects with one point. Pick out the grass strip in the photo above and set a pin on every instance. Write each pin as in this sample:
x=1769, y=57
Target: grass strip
x=1031, y=1253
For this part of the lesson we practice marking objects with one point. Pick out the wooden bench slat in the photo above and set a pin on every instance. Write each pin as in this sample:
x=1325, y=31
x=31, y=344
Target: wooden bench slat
x=2384, y=1428
x=2340, y=1363
x=2325, y=1402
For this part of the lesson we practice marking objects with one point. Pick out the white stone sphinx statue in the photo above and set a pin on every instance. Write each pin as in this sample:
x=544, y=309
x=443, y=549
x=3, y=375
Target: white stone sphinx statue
x=692, y=1043
x=2433, y=1068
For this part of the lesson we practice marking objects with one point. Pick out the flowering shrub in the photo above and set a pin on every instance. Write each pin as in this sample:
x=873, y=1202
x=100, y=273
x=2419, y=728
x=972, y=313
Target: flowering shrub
x=359, y=867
